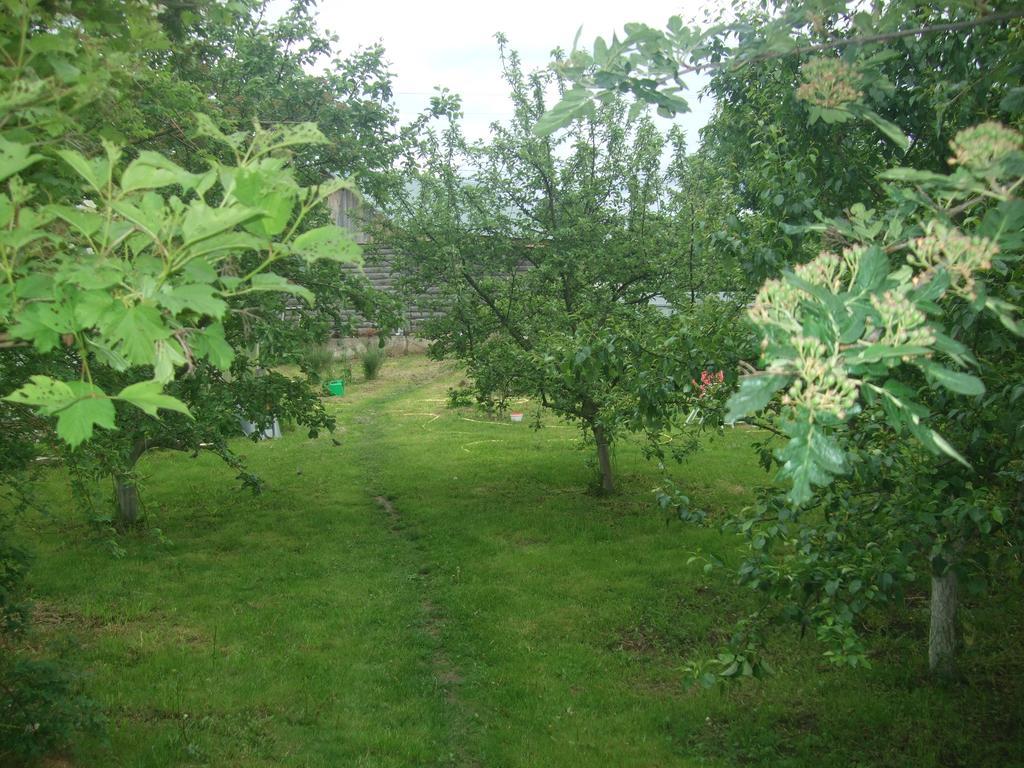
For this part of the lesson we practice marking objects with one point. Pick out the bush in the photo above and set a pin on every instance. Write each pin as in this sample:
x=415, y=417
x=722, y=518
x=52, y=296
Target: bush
x=373, y=359
x=41, y=708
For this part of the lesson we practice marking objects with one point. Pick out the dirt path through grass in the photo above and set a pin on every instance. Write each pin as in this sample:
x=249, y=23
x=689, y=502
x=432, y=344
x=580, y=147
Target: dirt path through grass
x=445, y=673
x=368, y=426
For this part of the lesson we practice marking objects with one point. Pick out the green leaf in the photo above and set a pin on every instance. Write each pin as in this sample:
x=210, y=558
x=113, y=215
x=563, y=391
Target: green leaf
x=42, y=391
x=96, y=172
x=149, y=396
x=268, y=281
x=810, y=458
x=754, y=393
x=138, y=328
x=193, y=297
x=1005, y=225
x=219, y=247
x=75, y=421
x=211, y=344
x=891, y=130
x=15, y=157
x=955, y=381
x=874, y=353
x=78, y=406
x=269, y=190
x=85, y=221
x=40, y=324
x=201, y=221
x=560, y=115
x=151, y=170
x=939, y=442
x=107, y=356
x=331, y=243
x=167, y=355
x=913, y=175
x=91, y=306
x=872, y=270
x=281, y=136
x=206, y=127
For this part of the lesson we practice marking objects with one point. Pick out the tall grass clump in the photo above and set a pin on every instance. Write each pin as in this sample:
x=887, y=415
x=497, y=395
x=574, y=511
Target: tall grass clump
x=373, y=359
x=317, y=360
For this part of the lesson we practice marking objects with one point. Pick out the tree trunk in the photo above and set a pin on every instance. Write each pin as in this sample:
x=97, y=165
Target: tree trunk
x=604, y=461
x=126, y=492
x=126, y=499
x=942, y=635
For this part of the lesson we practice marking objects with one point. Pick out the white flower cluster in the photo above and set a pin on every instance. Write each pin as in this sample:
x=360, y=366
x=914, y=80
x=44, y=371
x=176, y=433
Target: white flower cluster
x=981, y=147
x=829, y=83
x=960, y=255
x=902, y=322
x=823, y=385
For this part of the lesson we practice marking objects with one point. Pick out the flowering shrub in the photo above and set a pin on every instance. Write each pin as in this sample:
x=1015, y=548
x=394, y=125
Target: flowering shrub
x=708, y=381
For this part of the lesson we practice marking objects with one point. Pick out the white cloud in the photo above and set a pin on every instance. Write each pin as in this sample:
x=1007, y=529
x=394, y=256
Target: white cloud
x=450, y=43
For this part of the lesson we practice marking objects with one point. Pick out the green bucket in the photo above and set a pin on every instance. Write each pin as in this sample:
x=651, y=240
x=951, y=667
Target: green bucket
x=336, y=387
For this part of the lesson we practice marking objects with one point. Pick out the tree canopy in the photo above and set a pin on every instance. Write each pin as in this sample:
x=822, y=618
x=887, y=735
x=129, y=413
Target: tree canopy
x=544, y=258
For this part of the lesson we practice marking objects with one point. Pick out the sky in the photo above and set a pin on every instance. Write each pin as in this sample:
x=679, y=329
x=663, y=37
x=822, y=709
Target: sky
x=451, y=43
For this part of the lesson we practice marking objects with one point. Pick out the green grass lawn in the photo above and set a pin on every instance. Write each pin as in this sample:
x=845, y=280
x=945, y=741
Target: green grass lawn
x=439, y=589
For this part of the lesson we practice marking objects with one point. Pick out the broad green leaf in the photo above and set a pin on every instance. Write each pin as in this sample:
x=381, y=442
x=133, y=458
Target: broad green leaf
x=96, y=171
x=91, y=407
x=270, y=191
x=47, y=42
x=810, y=458
x=201, y=221
x=138, y=328
x=328, y=188
x=297, y=135
x=38, y=324
x=17, y=238
x=563, y=112
x=167, y=356
x=95, y=275
x=150, y=216
x=78, y=406
x=957, y=351
x=193, y=297
x=754, y=393
x=151, y=170
x=86, y=221
x=221, y=246
x=268, y=281
x=200, y=270
x=1005, y=225
x=43, y=392
x=872, y=269
x=107, y=356
x=149, y=396
x=955, y=381
x=1013, y=101
x=90, y=306
x=330, y=242
x=206, y=127
x=209, y=343
x=15, y=157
